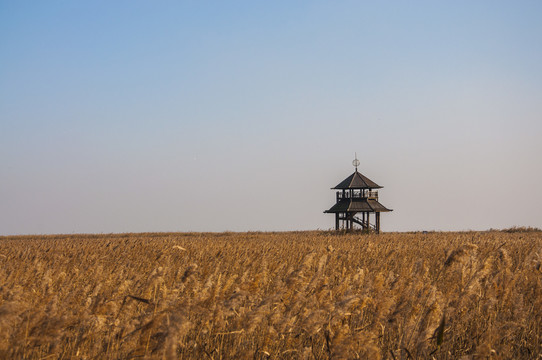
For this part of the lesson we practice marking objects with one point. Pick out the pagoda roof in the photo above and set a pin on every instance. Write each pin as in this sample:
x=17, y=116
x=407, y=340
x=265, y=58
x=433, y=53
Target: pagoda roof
x=357, y=181
x=357, y=205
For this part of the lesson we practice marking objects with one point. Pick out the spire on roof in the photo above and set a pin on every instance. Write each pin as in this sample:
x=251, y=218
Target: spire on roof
x=356, y=161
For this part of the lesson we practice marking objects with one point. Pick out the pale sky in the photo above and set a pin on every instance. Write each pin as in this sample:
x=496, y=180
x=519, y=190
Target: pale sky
x=131, y=116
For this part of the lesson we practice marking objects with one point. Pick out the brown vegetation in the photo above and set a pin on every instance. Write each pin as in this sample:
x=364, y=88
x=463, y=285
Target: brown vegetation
x=306, y=295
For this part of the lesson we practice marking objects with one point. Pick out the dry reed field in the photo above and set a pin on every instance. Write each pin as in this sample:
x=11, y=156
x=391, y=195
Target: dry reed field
x=297, y=295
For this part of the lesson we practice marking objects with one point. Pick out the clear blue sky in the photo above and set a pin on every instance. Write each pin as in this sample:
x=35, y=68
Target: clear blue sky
x=129, y=116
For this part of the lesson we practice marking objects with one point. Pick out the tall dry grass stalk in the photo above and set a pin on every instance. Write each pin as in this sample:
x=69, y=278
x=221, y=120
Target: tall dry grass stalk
x=299, y=295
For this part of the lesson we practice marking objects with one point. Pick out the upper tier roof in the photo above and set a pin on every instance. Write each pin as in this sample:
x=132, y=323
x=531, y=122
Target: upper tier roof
x=357, y=181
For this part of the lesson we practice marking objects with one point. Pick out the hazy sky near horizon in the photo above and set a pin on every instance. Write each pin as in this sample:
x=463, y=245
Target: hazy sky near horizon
x=130, y=116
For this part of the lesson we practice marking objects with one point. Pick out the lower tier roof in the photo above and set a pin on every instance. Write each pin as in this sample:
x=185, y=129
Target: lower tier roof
x=357, y=205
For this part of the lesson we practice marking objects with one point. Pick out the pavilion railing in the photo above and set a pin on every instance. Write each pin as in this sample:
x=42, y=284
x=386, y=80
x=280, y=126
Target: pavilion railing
x=367, y=194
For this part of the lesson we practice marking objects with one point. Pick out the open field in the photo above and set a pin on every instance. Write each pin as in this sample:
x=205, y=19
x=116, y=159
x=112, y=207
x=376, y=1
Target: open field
x=305, y=295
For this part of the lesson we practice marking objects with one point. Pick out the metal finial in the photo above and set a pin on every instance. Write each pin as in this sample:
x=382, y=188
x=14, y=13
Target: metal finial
x=356, y=161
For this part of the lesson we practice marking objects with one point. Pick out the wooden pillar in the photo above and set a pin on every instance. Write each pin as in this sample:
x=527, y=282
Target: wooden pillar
x=368, y=221
x=336, y=221
x=378, y=223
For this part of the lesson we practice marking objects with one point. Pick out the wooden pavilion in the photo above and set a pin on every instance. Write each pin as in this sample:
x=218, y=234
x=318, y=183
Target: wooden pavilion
x=357, y=194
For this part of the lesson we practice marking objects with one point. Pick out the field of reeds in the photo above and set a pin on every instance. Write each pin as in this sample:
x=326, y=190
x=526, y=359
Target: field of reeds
x=295, y=295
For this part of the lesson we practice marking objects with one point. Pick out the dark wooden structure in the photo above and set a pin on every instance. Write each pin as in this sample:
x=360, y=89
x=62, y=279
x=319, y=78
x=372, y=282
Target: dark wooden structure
x=356, y=194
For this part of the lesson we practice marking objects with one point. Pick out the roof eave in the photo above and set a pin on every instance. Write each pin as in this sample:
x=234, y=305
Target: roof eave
x=357, y=187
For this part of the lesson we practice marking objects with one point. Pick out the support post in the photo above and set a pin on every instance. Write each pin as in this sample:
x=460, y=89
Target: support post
x=337, y=221
x=378, y=223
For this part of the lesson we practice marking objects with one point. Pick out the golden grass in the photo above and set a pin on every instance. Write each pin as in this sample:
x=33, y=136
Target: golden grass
x=297, y=295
